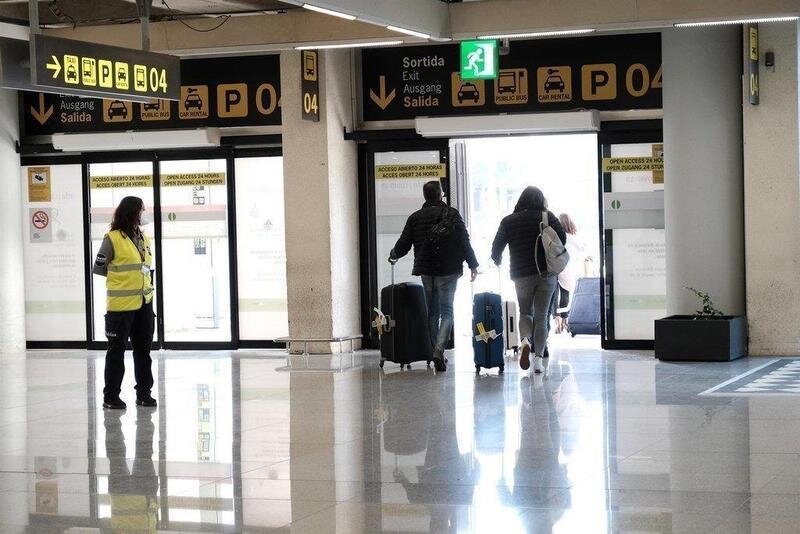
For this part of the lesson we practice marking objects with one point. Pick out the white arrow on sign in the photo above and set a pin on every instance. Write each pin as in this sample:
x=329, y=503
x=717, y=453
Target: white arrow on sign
x=54, y=66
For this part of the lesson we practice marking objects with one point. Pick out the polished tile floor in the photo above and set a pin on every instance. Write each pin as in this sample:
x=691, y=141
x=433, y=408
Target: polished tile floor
x=605, y=442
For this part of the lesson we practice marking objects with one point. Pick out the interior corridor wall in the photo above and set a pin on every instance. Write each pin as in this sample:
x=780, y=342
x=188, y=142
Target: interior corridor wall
x=772, y=197
x=703, y=188
x=12, y=286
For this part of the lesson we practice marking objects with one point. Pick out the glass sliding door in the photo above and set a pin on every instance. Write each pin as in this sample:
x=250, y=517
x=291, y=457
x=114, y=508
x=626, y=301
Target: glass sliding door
x=195, y=275
x=634, y=256
x=399, y=177
x=261, y=249
x=109, y=183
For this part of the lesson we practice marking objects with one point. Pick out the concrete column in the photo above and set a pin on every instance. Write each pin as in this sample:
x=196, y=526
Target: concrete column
x=703, y=167
x=321, y=199
x=12, y=285
x=772, y=197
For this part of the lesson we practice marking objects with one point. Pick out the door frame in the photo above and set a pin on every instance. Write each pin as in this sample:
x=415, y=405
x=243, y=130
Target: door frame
x=617, y=132
x=230, y=154
x=367, y=222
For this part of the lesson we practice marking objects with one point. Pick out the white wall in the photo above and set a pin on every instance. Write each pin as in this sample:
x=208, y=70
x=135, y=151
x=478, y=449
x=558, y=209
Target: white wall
x=772, y=198
x=12, y=286
x=703, y=167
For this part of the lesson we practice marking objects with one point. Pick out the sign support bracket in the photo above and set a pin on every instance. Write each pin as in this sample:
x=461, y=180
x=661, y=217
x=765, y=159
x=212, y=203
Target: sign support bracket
x=35, y=29
x=144, y=17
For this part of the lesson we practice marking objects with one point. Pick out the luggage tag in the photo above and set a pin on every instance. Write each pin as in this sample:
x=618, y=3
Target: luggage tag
x=382, y=323
x=485, y=336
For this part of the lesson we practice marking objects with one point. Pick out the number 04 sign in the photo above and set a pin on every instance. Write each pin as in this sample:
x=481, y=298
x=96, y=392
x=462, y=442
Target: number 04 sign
x=309, y=65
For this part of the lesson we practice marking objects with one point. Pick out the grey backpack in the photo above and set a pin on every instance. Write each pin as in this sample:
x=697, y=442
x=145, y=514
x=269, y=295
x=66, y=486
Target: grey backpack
x=555, y=253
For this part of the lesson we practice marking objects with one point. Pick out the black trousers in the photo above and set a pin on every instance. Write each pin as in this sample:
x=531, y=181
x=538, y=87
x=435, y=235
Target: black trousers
x=138, y=326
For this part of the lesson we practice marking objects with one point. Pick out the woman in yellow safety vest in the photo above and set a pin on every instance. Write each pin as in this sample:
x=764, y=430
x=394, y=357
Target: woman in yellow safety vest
x=125, y=259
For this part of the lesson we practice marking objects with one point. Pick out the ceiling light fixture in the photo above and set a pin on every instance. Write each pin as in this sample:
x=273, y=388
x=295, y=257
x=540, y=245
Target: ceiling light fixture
x=348, y=45
x=408, y=32
x=537, y=34
x=733, y=21
x=329, y=12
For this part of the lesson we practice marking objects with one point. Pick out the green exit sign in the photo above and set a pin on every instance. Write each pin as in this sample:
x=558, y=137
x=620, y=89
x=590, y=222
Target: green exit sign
x=479, y=60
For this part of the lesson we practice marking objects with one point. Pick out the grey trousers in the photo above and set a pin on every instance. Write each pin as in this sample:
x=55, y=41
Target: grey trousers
x=534, y=294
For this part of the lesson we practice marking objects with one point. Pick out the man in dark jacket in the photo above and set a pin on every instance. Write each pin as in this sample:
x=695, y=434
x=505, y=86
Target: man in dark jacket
x=534, y=284
x=440, y=262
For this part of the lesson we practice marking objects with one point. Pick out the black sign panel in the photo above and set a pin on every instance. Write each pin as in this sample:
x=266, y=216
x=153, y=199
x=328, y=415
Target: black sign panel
x=106, y=71
x=310, y=85
x=752, y=63
x=218, y=92
x=602, y=72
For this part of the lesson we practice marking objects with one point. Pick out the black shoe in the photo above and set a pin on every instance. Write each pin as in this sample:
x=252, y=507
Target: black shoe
x=439, y=361
x=147, y=402
x=114, y=404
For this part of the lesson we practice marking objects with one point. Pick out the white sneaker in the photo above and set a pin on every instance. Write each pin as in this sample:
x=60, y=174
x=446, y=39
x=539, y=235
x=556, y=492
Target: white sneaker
x=538, y=365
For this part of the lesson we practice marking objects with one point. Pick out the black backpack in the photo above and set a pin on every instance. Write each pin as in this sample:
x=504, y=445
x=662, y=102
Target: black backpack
x=443, y=232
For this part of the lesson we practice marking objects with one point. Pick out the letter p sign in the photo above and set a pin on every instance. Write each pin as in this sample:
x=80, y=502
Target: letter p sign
x=599, y=82
x=232, y=100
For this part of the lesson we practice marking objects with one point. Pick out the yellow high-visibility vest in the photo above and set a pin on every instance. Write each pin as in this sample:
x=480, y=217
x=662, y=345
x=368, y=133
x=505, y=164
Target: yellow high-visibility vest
x=128, y=280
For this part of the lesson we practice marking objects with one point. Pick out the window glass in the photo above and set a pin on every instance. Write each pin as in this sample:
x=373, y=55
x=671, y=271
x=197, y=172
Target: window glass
x=261, y=248
x=194, y=248
x=395, y=200
x=109, y=183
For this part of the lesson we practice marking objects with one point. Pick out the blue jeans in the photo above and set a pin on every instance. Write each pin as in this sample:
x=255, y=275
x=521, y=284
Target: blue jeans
x=439, y=293
x=534, y=295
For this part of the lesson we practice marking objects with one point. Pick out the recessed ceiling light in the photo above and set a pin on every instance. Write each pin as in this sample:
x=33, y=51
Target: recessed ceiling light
x=537, y=34
x=329, y=12
x=348, y=45
x=409, y=32
x=733, y=21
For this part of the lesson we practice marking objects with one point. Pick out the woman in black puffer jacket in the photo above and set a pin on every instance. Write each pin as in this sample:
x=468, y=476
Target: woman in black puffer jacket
x=534, y=284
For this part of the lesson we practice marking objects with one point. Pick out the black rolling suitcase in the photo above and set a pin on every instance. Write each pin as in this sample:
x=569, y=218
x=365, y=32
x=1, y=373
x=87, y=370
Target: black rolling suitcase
x=403, y=324
x=584, y=312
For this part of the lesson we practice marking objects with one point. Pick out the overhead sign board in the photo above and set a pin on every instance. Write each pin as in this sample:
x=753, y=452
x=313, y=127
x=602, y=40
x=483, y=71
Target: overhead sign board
x=92, y=69
x=217, y=92
x=610, y=72
x=479, y=60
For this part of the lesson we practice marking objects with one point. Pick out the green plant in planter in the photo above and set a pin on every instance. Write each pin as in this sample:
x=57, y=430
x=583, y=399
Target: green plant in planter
x=708, y=311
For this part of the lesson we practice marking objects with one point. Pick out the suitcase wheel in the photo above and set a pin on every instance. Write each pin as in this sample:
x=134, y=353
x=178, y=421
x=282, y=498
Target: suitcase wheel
x=381, y=364
x=429, y=363
x=477, y=369
x=502, y=369
x=408, y=366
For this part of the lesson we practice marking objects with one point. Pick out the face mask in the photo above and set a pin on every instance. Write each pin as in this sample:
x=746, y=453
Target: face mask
x=144, y=219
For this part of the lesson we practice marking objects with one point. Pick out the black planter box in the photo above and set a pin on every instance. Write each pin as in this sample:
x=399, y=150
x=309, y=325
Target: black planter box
x=685, y=338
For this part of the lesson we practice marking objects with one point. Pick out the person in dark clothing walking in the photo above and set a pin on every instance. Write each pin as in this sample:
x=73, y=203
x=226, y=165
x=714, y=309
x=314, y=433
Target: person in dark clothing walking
x=125, y=259
x=441, y=245
x=535, y=286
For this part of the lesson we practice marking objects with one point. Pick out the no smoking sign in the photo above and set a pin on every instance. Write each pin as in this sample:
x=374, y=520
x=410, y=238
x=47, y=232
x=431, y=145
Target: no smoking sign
x=41, y=230
x=40, y=220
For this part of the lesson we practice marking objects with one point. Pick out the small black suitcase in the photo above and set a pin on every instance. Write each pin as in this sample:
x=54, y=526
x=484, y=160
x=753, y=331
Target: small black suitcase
x=404, y=336
x=584, y=312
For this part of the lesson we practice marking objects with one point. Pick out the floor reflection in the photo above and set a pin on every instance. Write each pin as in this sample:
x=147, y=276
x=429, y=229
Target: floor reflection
x=132, y=491
x=604, y=442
